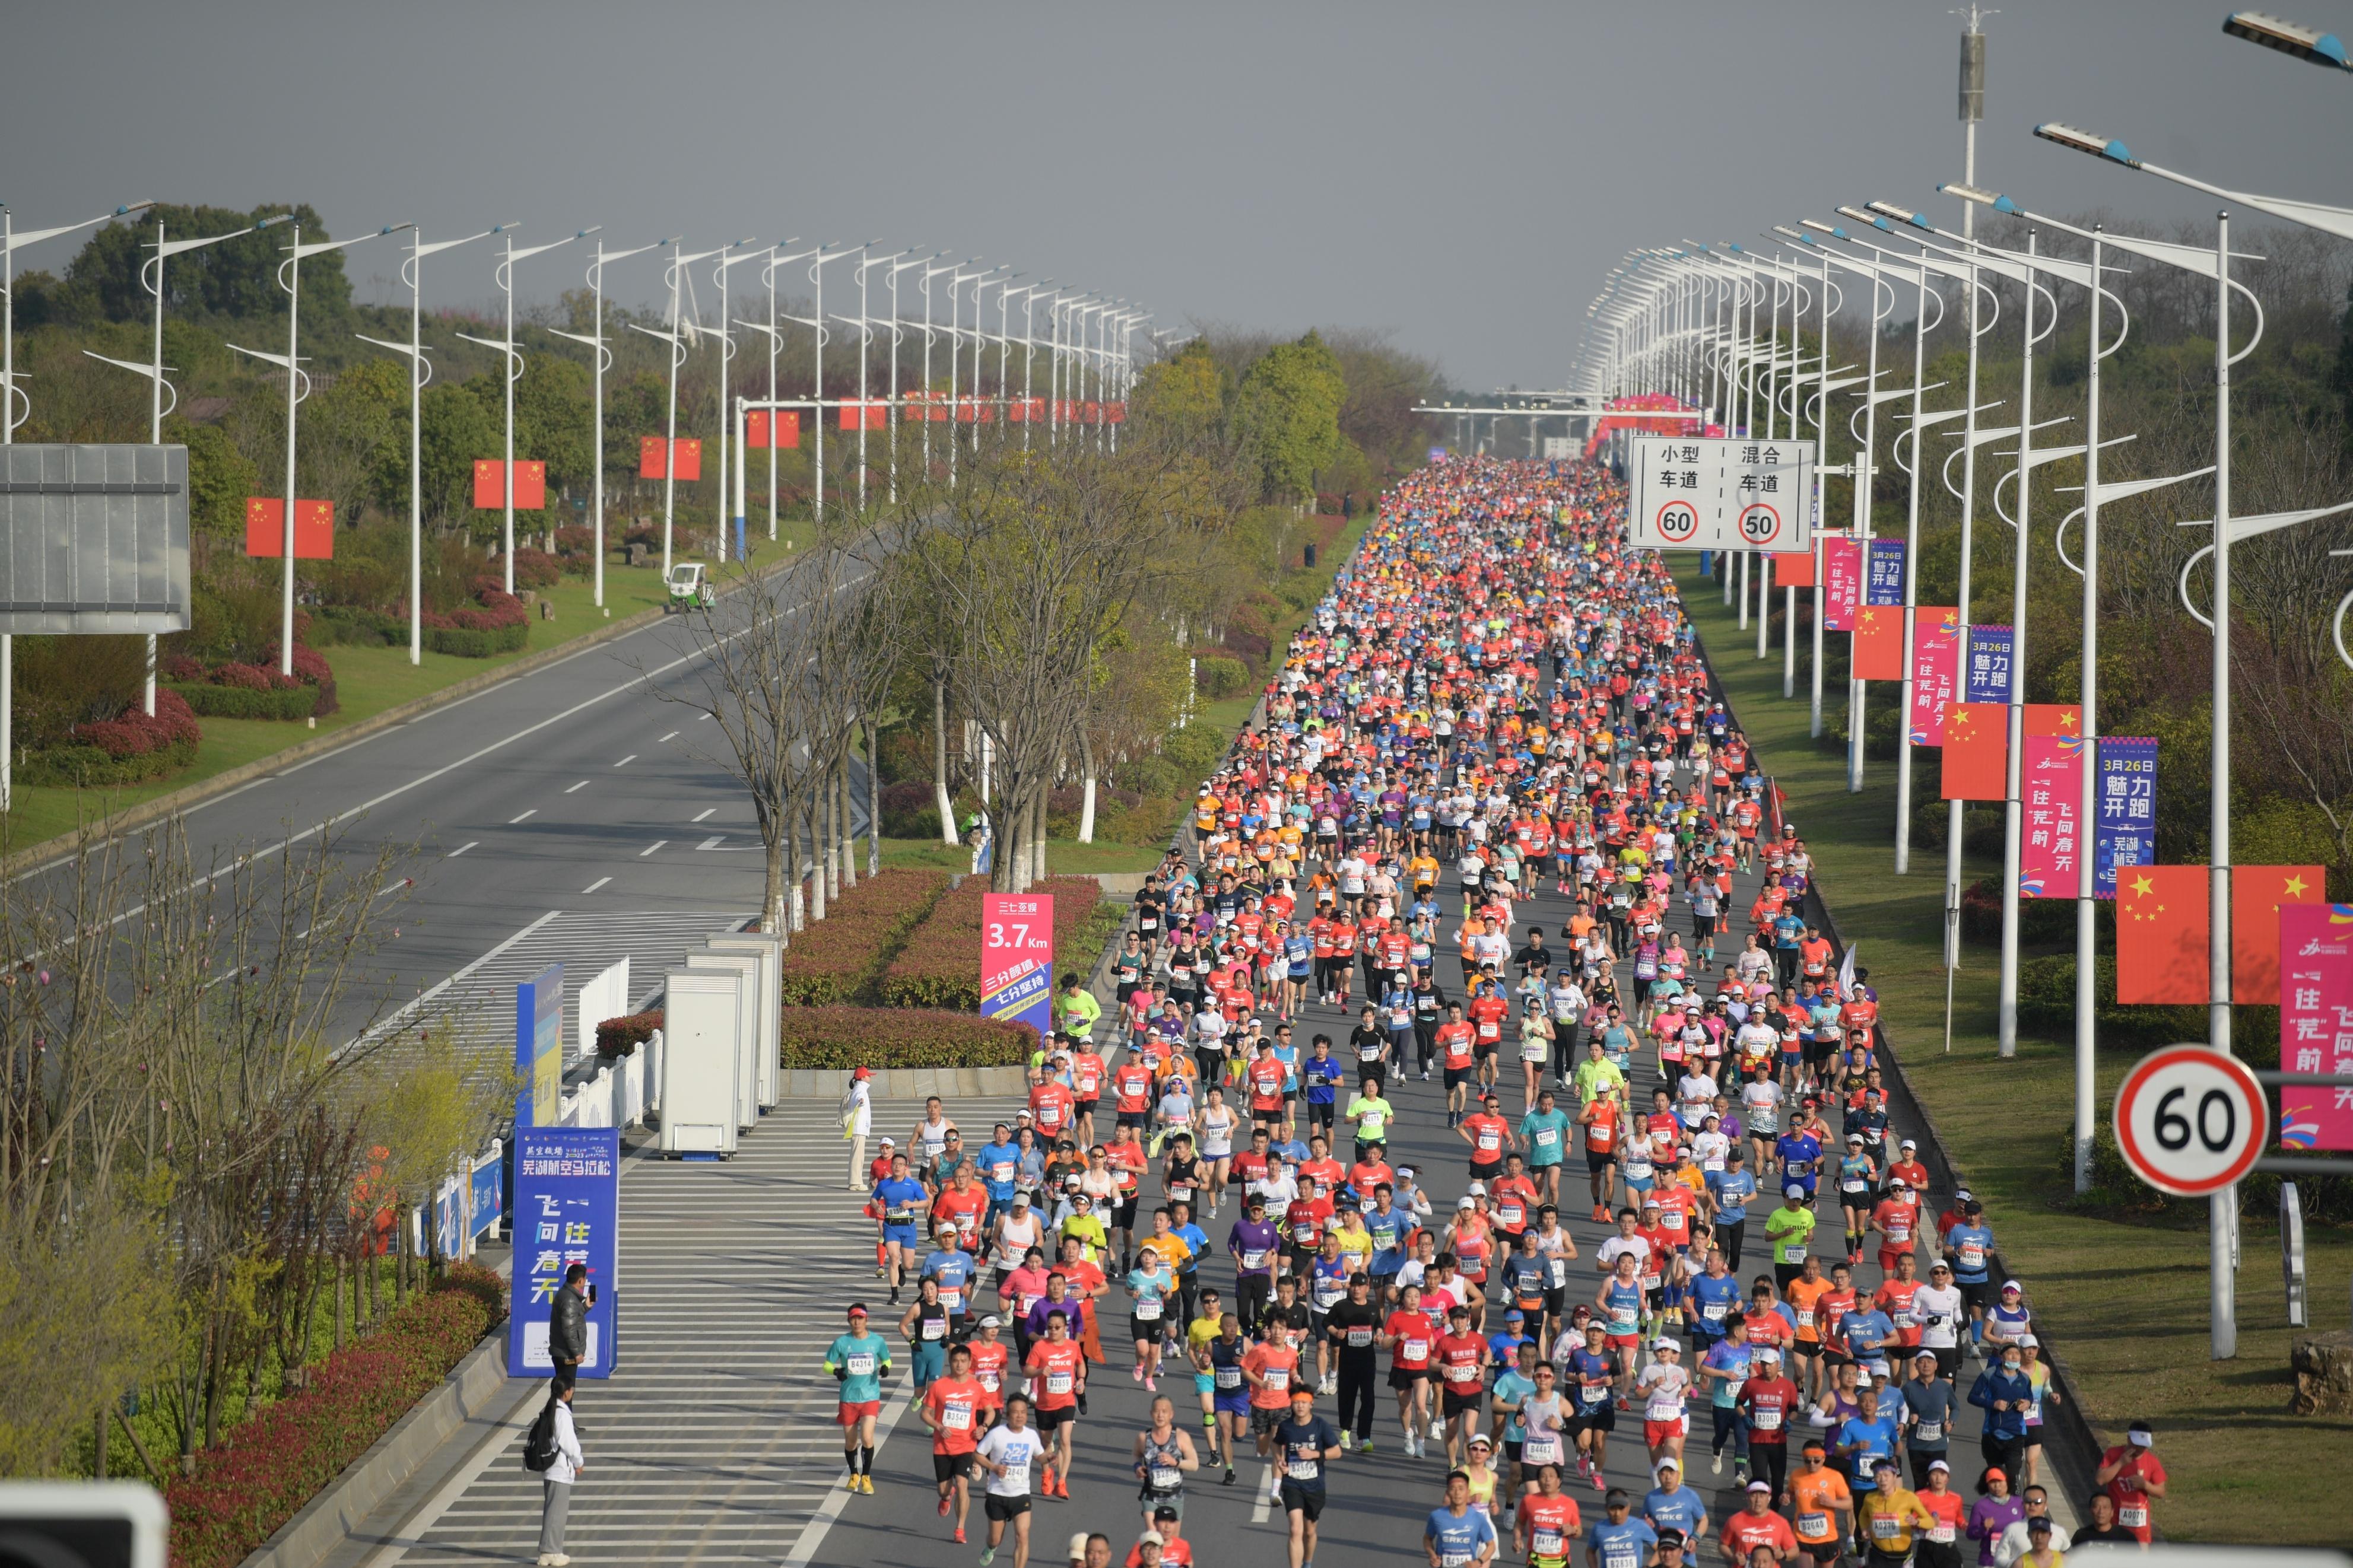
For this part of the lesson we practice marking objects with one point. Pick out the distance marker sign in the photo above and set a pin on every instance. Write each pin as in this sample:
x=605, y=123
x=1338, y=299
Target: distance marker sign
x=2190, y=1120
x=1723, y=493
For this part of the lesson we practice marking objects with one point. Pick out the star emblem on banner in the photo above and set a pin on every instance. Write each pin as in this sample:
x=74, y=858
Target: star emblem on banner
x=2294, y=886
x=1956, y=719
x=2142, y=888
x=2068, y=721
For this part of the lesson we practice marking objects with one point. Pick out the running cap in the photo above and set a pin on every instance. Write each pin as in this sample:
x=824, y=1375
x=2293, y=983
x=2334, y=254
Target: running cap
x=1152, y=1538
x=1934, y=1466
x=1854, y=1137
x=890, y=1142
x=1020, y=1195
x=1664, y=1343
x=1995, y=1474
x=2140, y=1434
x=1079, y=1538
x=1515, y=1316
x=2027, y=1341
x=1923, y=1354
x=1793, y=1191
x=1467, y=1202
x=1664, y=1464
x=1908, y=1144
x=1768, y=1352
x=1961, y=1195
x=858, y=1308
x=1940, y=1267
x=2039, y=1524
x=2010, y=1285
x=1767, y=1487
x=1478, y=1440
x=1477, y=1189
x=1165, y=1511
x=862, y=1072
x=1671, y=1539
x=992, y=1322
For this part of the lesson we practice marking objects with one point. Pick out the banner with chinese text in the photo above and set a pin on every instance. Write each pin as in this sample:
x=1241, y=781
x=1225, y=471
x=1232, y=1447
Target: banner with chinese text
x=2126, y=833
x=2051, y=786
x=1017, y=959
x=567, y=1186
x=2315, y=952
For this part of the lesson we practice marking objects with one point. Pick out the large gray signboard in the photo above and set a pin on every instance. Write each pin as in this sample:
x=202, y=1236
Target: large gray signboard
x=93, y=539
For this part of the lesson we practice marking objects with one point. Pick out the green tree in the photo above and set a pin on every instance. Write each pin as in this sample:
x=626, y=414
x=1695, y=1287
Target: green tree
x=220, y=477
x=348, y=444
x=234, y=280
x=1184, y=397
x=458, y=432
x=556, y=418
x=1287, y=415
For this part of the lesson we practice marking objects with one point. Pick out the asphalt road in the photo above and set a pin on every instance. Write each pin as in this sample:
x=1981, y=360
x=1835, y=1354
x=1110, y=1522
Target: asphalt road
x=1377, y=1503
x=575, y=788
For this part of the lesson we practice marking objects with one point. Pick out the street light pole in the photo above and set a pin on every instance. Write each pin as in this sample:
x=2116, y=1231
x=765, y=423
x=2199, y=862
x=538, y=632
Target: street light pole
x=289, y=277
x=894, y=417
x=151, y=278
x=10, y=243
x=504, y=273
x=602, y=363
x=727, y=447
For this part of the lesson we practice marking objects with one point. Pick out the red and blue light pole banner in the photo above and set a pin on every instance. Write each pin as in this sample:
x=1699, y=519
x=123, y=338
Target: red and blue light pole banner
x=1017, y=959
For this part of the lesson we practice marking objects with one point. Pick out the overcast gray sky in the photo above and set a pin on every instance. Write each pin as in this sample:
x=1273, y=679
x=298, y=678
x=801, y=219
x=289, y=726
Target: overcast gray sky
x=1460, y=173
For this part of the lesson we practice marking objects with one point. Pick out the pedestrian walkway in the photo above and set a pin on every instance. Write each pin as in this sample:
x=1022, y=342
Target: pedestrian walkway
x=714, y=1441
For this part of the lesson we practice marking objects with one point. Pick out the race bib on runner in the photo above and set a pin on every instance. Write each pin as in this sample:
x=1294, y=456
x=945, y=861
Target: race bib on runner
x=1229, y=1377
x=956, y=1417
x=1813, y=1525
x=1360, y=1335
x=1304, y=1469
x=1416, y=1350
x=1928, y=1431
x=2133, y=1516
x=1767, y=1420
x=1885, y=1528
x=1164, y=1478
x=1148, y=1310
x=1059, y=1383
x=861, y=1363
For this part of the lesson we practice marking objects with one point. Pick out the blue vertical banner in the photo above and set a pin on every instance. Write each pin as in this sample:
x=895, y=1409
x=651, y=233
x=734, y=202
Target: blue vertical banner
x=1987, y=669
x=567, y=1210
x=539, y=1048
x=1883, y=573
x=2125, y=827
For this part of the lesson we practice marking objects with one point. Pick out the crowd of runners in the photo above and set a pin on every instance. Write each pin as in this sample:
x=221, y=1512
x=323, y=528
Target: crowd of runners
x=1498, y=703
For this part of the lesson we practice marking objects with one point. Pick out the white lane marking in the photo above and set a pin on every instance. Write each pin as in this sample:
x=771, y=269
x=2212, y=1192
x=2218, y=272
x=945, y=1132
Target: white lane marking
x=513, y=820
x=1262, y=1508
x=461, y=848
x=625, y=761
x=707, y=811
x=581, y=785
x=702, y=718
x=813, y=1533
x=594, y=886
x=666, y=740
x=651, y=848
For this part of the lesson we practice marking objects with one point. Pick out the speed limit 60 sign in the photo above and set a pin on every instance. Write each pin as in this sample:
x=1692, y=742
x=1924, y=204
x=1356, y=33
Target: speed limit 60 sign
x=2191, y=1120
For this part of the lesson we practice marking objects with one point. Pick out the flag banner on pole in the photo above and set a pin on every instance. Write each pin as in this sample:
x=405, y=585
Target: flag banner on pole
x=2126, y=833
x=1115, y=412
x=1987, y=677
x=1090, y=414
x=2258, y=893
x=650, y=464
x=1879, y=642
x=1935, y=672
x=265, y=528
x=2161, y=934
x=786, y=426
x=1026, y=410
x=1977, y=751
x=2051, y=790
x=870, y=414
x=1842, y=582
x=2062, y=719
x=1883, y=573
x=530, y=485
x=1793, y=568
x=2316, y=950
x=976, y=411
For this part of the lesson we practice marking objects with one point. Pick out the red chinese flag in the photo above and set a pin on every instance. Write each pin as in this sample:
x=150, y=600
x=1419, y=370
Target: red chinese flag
x=788, y=427
x=1879, y=642
x=1115, y=412
x=265, y=528
x=2063, y=720
x=1793, y=569
x=530, y=486
x=1977, y=751
x=649, y=458
x=2161, y=934
x=2256, y=894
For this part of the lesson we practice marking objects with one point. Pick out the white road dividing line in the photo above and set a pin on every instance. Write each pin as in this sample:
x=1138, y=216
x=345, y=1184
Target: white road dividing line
x=702, y=718
x=461, y=848
x=625, y=761
x=1262, y=1508
x=706, y=811
x=513, y=820
x=651, y=848
x=581, y=785
x=666, y=740
x=594, y=886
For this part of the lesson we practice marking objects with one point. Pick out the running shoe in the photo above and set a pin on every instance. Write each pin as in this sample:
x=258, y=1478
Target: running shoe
x=988, y=1556
x=1438, y=1431
x=944, y=1508
x=850, y=1482
x=1229, y=1479
x=1716, y=1463
x=959, y=1535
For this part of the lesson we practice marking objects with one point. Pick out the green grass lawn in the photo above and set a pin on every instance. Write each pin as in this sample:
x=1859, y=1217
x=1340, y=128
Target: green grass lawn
x=2126, y=1293
x=367, y=681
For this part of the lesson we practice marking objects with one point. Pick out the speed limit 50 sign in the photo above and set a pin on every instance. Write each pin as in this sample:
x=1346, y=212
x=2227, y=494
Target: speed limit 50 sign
x=2191, y=1120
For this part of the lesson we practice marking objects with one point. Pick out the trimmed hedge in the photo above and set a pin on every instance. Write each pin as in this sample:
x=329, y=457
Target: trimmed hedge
x=84, y=767
x=244, y=702
x=834, y=1039
x=274, y=1464
x=466, y=642
x=835, y=959
x=940, y=965
x=621, y=1036
x=2046, y=1006
x=2040, y=921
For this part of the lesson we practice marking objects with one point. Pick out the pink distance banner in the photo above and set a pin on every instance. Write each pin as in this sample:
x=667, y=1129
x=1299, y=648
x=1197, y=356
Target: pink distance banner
x=1935, y=672
x=1017, y=959
x=2050, y=794
x=2315, y=960
x=1842, y=583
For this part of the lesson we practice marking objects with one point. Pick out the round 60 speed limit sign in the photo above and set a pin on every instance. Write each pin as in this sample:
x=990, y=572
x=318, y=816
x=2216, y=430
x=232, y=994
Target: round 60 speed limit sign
x=2190, y=1120
x=1678, y=521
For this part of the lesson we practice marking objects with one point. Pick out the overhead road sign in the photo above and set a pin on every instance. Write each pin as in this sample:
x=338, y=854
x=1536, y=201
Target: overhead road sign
x=1722, y=493
x=93, y=539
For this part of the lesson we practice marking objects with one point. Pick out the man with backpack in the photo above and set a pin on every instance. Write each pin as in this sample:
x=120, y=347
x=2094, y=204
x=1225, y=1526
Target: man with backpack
x=553, y=1451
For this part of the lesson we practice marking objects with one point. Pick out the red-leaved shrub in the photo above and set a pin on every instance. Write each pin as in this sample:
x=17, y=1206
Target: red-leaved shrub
x=137, y=733
x=940, y=965
x=268, y=1468
x=832, y=961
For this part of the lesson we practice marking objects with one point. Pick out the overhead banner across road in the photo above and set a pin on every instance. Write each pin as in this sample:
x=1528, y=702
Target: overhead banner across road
x=1722, y=493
